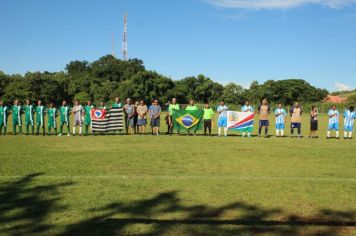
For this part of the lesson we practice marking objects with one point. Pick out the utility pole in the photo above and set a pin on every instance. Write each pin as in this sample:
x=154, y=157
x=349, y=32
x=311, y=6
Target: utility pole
x=124, y=43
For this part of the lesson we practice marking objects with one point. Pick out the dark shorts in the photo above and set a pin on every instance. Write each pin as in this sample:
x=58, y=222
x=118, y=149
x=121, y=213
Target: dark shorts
x=141, y=122
x=264, y=123
x=155, y=122
x=313, y=125
x=296, y=125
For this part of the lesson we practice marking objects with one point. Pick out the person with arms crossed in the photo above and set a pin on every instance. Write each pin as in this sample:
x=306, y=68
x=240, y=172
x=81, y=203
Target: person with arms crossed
x=264, y=111
x=333, y=115
x=3, y=117
x=51, y=122
x=247, y=108
x=64, y=114
x=16, y=111
x=208, y=118
x=78, y=117
x=29, y=112
x=40, y=121
x=296, y=120
x=349, y=119
x=222, y=120
x=155, y=113
x=280, y=114
x=313, y=122
x=142, y=117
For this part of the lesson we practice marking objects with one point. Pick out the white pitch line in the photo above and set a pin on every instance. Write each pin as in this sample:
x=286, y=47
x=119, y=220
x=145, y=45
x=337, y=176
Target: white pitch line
x=188, y=177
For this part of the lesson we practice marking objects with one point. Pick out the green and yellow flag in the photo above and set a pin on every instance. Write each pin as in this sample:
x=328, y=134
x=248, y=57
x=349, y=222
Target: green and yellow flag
x=187, y=120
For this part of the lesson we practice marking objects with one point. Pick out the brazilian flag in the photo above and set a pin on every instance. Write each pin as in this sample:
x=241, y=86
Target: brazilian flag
x=187, y=120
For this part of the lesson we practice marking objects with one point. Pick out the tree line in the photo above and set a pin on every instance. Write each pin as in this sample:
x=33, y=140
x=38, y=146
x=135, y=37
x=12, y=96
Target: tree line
x=108, y=77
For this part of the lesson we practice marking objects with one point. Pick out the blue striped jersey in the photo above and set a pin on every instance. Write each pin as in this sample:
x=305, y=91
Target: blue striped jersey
x=333, y=119
x=223, y=111
x=247, y=108
x=280, y=114
x=349, y=118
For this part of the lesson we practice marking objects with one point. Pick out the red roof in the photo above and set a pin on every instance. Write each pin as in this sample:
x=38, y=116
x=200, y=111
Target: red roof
x=335, y=99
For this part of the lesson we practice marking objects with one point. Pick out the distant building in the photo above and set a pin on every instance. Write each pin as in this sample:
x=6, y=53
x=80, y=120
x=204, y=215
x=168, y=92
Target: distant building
x=335, y=99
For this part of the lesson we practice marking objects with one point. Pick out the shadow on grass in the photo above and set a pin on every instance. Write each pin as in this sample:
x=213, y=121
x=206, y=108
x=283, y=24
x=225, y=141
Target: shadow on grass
x=205, y=220
x=25, y=205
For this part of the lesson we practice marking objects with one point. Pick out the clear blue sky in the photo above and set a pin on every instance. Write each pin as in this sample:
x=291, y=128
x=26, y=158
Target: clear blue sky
x=227, y=40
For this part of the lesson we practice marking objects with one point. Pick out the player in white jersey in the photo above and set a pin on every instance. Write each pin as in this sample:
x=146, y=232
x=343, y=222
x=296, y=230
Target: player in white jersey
x=349, y=120
x=333, y=121
x=247, y=108
x=222, y=121
x=78, y=117
x=280, y=114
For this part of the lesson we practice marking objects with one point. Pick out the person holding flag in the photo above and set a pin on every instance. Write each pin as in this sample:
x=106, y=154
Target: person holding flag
x=296, y=120
x=87, y=116
x=280, y=114
x=16, y=111
x=78, y=117
x=264, y=110
x=40, y=113
x=172, y=107
x=29, y=112
x=117, y=103
x=333, y=122
x=3, y=117
x=247, y=108
x=52, y=115
x=64, y=114
x=191, y=107
x=349, y=119
x=222, y=120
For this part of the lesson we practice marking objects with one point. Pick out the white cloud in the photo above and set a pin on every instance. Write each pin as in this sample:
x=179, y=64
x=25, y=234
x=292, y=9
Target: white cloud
x=342, y=87
x=278, y=4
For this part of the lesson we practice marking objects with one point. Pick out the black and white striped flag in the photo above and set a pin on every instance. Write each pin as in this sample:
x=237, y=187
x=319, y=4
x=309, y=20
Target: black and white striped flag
x=114, y=120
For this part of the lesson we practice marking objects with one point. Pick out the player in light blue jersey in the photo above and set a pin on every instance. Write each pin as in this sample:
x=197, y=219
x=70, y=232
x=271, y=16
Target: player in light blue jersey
x=333, y=121
x=280, y=114
x=222, y=121
x=349, y=120
x=247, y=108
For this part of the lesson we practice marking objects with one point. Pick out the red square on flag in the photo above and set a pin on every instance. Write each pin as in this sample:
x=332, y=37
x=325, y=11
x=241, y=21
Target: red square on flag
x=98, y=114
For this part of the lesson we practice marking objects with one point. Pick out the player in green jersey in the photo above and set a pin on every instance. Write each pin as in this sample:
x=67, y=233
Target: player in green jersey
x=40, y=121
x=29, y=110
x=3, y=117
x=117, y=103
x=52, y=115
x=16, y=111
x=64, y=112
x=87, y=117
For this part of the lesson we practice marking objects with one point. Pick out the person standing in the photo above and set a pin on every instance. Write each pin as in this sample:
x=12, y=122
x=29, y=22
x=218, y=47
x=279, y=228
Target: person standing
x=129, y=110
x=52, y=122
x=78, y=117
x=117, y=103
x=222, y=120
x=102, y=105
x=137, y=103
x=87, y=117
x=264, y=110
x=280, y=114
x=208, y=118
x=155, y=114
x=191, y=107
x=64, y=112
x=3, y=117
x=40, y=122
x=173, y=106
x=296, y=120
x=313, y=122
x=29, y=112
x=16, y=117
x=349, y=119
x=247, y=108
x=142, y=117
x=333, y=122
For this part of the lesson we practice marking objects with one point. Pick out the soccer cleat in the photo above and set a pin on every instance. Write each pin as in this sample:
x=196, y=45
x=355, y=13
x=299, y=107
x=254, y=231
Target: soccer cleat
x=68, y=135
x=59, y=134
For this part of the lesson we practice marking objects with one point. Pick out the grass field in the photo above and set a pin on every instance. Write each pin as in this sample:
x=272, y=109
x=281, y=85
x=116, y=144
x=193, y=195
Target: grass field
x=177, y=185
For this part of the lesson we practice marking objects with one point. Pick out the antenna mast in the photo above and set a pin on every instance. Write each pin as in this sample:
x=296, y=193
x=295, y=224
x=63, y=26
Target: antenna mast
x=124, y=44
x=113, y=46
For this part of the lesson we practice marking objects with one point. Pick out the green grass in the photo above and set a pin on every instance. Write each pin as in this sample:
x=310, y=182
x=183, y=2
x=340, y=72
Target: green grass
x=177, y=185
